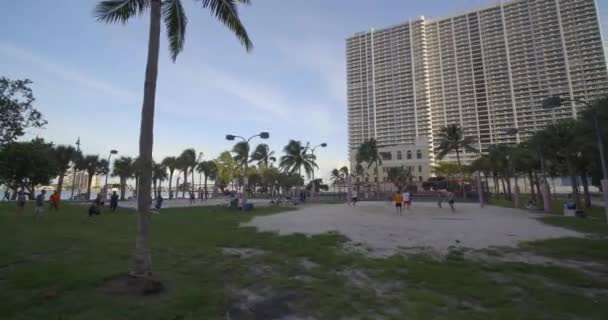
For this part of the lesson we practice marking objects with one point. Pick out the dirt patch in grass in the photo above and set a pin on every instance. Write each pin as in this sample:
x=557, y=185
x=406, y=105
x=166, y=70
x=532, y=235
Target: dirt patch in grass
x=243, y=252
x=261, y=303
x=125, y=285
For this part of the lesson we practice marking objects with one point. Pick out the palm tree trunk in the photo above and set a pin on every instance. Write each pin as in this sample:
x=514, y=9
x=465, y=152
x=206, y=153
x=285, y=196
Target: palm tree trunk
x=539, y=194
x=170, y=182
x=89, y=187
x=205, y=192
x=192, y=173
x=509, y=193
x=154, y=181
x=585, y=183
x=461, y=173
x=531, y=181
x=504, y=187
x=142, y=261
x=575, y=193
x=123, y=186
x=60, y=182
x=185, y=183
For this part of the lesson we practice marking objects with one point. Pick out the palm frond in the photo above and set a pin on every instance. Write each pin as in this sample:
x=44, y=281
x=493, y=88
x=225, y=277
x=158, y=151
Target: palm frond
x=176, y=22
x=111, y=11
x=226, y=12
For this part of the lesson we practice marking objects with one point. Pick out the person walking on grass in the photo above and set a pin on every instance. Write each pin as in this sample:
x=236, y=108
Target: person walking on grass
x=407, y=199
x=113, y=201
x=450, y=198
x=54, y=201
x=398, y=202
x=354, y=197
x=21, y=201
x=39, y=204
x=7, y=195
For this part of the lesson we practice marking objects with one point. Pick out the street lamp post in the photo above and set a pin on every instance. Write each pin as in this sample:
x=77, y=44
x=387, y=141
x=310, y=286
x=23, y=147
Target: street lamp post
x=312, y=152
x=557, y=101
x=105, y=187
x=231, y=137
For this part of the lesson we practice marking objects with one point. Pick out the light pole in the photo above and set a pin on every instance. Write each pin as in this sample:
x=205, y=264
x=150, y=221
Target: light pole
x=105, y=187
x=312, y=152
x=231, y=137
x=556, y=101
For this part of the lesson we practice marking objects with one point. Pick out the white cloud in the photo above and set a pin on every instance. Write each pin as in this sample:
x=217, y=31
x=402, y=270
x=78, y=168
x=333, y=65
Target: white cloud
x=64, y=72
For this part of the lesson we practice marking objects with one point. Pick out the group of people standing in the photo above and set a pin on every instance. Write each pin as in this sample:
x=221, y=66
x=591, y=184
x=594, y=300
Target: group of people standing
x=402, y=199
x=39, y=202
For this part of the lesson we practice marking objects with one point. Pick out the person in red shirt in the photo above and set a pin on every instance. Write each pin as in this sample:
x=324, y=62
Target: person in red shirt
x=54, y=201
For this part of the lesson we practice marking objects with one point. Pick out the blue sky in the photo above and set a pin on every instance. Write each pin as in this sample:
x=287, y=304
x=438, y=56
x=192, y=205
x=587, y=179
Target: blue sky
x=88, y=76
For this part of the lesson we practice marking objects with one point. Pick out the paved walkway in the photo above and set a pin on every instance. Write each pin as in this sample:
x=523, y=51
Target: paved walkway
x=375, y=227
x=180, y=203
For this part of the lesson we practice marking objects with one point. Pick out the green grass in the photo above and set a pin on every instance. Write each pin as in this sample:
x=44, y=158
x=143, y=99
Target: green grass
x=53, y=269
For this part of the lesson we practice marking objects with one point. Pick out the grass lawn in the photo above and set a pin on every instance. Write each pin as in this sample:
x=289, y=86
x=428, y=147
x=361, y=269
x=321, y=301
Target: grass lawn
x=55, y=268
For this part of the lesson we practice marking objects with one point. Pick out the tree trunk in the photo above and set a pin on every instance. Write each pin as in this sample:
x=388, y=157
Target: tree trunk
x=504, y=187
x=185, y=183
x=461, y=173
x=192, y=173
x=509, y=194
x=170, y=182
x=539, y=194
x=142, y=261
x=575, y=194
x=60, y=182
x=585, y=183
x=123, y=187
x=154, y=181
x=531, y=181
x=205, y=192
x=89, y=187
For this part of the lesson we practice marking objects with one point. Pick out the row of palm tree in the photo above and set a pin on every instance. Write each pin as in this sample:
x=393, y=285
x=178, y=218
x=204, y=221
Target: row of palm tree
x=67, y=157
x=297, y=159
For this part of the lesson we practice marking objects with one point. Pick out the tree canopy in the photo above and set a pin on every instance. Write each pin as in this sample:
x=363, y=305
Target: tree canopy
x=17, y=112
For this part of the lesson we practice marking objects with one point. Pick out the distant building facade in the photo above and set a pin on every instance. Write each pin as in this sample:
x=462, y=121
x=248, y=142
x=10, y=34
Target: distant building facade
x=486, y=70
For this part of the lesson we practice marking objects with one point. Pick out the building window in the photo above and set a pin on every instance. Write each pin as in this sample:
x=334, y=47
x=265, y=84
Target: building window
x=419, y=168
x=418, y=154
x=409, y=154
x=386, y=155
x=420, y=178
x=399, y=155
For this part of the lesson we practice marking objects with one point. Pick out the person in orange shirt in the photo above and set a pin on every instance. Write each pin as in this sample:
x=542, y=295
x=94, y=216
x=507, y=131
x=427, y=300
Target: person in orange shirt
x=54, y=201
x=398, y=201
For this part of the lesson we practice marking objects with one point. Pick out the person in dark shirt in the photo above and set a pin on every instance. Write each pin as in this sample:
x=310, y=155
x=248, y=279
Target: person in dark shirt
x=40, y=203
x=113, y=201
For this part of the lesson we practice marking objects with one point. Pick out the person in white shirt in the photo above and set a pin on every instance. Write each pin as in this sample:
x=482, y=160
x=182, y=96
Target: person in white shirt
x=407, y=199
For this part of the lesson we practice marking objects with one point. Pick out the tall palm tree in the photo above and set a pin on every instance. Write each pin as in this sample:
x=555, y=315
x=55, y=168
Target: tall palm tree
x=187, y=161
x=159, y=174
x=451, y=139
x=296, y=158
x=64, y=156
x=171, y=164
x=335, y=177
x=368, y=153
x=241, y=156
x=262, y=154
x=93, y=166
x=123, y=168
x=172, y=12
x=209, y=169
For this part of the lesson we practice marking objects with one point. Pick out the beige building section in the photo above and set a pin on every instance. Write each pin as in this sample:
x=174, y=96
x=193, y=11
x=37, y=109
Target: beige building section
x=487, y=70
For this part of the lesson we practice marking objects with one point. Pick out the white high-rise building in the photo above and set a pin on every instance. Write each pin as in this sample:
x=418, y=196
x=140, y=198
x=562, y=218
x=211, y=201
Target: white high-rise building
x=487, y=70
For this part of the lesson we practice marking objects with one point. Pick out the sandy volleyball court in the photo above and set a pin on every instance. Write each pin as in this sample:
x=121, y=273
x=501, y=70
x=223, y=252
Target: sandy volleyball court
x=375, y=227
